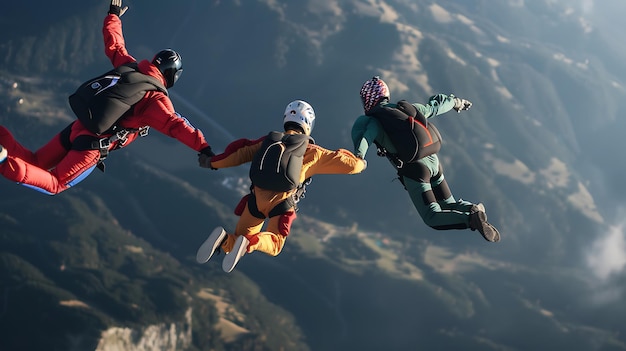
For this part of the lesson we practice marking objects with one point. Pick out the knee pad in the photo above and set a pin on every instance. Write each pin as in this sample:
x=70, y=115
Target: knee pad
x=241, y=205
x=284, y=222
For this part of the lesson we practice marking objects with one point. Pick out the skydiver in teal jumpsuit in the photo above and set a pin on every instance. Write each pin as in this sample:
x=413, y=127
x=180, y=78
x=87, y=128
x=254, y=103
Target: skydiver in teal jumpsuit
x=422, y=179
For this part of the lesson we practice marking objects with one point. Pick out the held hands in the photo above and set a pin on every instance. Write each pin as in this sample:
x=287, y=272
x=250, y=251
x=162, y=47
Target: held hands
x=204, y=158
x=461, y=104
x=116, y=8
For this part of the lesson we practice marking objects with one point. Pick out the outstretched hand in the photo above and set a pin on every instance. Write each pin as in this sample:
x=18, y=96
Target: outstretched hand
x=461, y=104
x=116, y=8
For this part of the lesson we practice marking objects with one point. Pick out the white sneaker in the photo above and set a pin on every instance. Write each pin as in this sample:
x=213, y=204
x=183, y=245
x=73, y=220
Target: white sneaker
x=208, y=247
x=3, y=154
x=231, y=258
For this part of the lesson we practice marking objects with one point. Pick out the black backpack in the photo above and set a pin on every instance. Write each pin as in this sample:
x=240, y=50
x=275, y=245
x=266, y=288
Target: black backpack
x=278, y=163
x=100, y=102
x=409, y=130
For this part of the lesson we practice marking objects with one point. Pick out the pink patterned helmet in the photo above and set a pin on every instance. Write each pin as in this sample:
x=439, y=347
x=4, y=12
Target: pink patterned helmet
x=372, y=92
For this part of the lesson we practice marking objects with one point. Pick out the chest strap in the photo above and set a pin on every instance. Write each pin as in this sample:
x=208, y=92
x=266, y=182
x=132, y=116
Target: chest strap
x=393, y=158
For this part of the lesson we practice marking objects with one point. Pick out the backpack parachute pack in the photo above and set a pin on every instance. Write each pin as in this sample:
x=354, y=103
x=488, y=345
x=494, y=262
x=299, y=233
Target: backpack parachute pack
x=277, y=166
x=278, y=163
x=100, y=102
x=409, y=130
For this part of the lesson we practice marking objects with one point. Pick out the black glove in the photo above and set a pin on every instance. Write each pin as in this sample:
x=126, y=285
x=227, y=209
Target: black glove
x=116, y=8
x=204, y=158
x=461, y=104
x=207, y=151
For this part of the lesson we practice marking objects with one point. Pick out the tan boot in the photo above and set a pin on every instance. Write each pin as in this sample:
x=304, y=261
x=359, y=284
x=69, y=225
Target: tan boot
x=478, y=221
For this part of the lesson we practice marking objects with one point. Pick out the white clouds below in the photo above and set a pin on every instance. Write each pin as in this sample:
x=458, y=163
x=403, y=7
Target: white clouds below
x=608, y=253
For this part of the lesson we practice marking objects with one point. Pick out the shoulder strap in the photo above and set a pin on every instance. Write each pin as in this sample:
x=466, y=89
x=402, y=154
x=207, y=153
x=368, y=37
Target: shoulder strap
x=412, y=111
x=130, y=73
x=409, y=130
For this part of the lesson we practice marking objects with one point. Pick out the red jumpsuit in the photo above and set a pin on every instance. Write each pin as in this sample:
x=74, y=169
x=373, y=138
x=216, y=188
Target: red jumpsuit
x=317, y=160
x=55, y=167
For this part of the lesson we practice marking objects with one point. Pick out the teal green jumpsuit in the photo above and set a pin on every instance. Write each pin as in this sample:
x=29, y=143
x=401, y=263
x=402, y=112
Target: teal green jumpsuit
x=424, y=179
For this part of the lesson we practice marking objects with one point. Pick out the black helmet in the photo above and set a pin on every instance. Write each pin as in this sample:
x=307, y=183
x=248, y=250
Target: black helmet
x=170, y=64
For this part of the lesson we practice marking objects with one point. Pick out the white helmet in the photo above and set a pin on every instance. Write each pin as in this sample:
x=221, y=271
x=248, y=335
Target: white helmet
x=302, y=113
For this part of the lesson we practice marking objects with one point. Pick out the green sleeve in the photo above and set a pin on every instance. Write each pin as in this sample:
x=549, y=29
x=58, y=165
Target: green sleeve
x=364, y=131
x=437, y=105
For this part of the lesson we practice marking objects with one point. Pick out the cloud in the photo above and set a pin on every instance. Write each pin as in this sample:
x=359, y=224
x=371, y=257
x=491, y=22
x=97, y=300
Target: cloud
x=607, y=256
x=583, y=200
x=328, y=7
x=440, y=14
x=587, y=6
x=606, y=260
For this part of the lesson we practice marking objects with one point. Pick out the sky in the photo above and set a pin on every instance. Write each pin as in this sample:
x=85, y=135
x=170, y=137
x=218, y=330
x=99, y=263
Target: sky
x=606, y=256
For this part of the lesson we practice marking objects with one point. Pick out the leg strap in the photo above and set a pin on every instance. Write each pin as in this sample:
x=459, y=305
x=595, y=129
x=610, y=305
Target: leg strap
x=252, y=207
x=285, y=206
x=65, y=137
x=88, y=142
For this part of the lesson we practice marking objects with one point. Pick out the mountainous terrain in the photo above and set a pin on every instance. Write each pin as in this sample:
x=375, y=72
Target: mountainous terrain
x=109, y=264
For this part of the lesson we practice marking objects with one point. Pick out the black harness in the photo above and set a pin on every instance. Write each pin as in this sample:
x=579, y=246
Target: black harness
x=103, y=144
x=286, y=205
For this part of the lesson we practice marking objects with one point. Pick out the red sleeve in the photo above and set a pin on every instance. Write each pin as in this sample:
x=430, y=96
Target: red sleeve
x=156, y=110
x=114, y=45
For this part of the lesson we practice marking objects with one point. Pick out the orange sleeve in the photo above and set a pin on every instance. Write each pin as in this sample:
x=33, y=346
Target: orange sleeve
x=236, y=153
x=318, y=160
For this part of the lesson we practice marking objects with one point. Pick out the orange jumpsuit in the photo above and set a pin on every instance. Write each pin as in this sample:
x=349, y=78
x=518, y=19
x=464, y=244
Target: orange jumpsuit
x=317, y=160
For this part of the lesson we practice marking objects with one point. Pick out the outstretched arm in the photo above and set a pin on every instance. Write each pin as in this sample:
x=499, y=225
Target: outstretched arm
x=159, y=113
x=441, y=103
x=318, y=160
x=114, y=44
x=365, y=130
x=236, y=153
